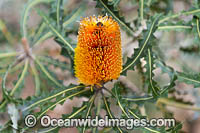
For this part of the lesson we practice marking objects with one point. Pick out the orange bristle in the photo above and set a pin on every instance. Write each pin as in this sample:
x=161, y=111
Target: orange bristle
x=98, y=55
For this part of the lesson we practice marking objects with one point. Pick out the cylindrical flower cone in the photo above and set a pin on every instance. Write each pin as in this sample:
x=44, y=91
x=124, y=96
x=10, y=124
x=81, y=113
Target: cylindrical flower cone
x=98, y=55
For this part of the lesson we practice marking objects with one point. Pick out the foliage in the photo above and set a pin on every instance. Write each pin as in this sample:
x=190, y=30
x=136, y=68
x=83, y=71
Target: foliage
x=57, y=23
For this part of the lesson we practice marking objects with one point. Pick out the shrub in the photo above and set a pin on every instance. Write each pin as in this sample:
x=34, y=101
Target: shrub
x=147, y=29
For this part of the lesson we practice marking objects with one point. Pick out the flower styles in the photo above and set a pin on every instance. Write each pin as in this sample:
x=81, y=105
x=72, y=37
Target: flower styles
x=98, y=55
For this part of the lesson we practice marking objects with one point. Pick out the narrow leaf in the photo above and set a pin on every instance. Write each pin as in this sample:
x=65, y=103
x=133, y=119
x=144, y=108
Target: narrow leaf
x=55, y=31
x=25, y=14
x=143, y=45
x=109, y=8
x=29, y=104
x=45, y=71
x=193, y=79
x=152, y=85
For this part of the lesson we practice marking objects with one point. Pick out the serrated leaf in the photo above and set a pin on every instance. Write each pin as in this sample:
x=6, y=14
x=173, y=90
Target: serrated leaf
x=193, y=79
x=59, y=100
x=172, y=75
x=3, y=85
x=172, y=16
x=74, y=15
x=54, y=62
x=165, y=69
x=67, y=53
x=121, y=103
x=176, y=128
x=25, y=12
x=49, y=74
x=177, y=26
x=69, y=19
x=115, y=3
x=140, y=99
x=107, y=108
x=111, y=9
x=7, y=128
x=16, y=86
x=76, y=113
x=178, y=104
x=40, y=32
x=152, y=130
x=30, y=103
x=152, y=84
x=54, y=30
x=143, y=45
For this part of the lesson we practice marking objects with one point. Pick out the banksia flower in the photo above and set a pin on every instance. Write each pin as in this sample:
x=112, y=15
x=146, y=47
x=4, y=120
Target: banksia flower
x=98, y=55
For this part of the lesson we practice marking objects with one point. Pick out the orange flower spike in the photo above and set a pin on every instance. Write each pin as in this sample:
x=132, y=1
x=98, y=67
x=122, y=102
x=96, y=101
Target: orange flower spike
x=98, y=55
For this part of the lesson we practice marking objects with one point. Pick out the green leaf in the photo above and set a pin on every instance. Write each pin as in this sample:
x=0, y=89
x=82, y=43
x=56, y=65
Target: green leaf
x=107, y=108
x=21, y=78
x=177, y=104
x=74, y=15
x=164, y=67
x=48, y=74
x=12, y=70
x=115, y=3
x=67, y=53
x=77, y=112
x=68, y=20
x=7, y=128
x=7, y=34
x=25, y=14
x=88, y=110
x=120, y=101
x=197, y=26
x=172, y=75
x=58, y=12
x=179, y=25
x=152, y=130
x=191, y=50
x=193, y=79
x=36, y=78
x=30, y=103
x=40, y=32
x=6, y=55
x=110, y=9
x=175, y=27
x=8, y=95
x=172, y=16
x=152, y=84
x=175, y=129
x=143, y=45
x=54, y=30
x=170, y=85
x=60, y=100
x=141, y=9
x=3, y=85
x=140, y=99
x=54, y=62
